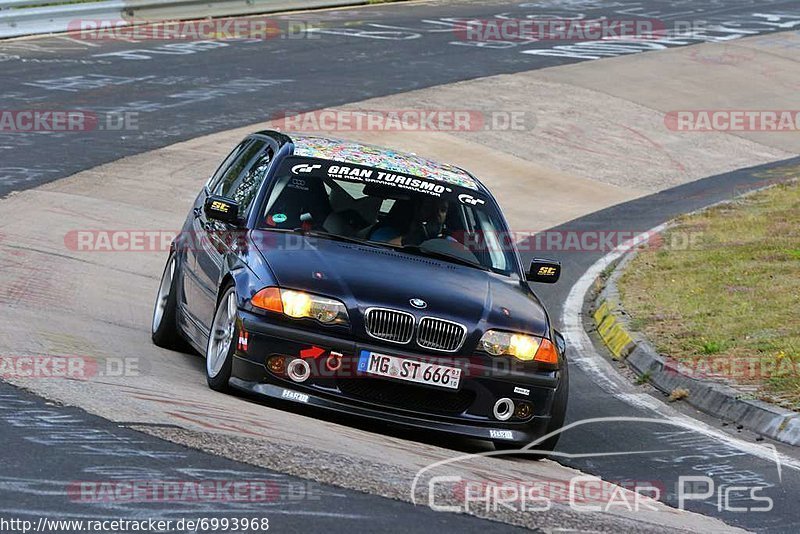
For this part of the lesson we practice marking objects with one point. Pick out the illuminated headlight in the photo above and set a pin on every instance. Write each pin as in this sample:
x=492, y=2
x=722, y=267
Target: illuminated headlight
x=521, y=346
x=299, y=304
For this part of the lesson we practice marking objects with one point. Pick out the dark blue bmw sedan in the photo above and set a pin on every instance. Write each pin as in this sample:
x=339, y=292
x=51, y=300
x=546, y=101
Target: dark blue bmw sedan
x=369, y=282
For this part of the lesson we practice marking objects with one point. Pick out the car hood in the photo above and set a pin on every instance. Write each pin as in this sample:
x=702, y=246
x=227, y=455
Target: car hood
x=364, y=276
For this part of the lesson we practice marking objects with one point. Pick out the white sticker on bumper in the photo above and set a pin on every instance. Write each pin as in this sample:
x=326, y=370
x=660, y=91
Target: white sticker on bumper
x=294, y=395
x=500, y=434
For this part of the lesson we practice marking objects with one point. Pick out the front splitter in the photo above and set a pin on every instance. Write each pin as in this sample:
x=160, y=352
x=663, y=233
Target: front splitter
x=534, y=429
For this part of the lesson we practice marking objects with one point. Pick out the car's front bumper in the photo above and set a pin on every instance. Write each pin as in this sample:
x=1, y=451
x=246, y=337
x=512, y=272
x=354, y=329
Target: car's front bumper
x=466, y=412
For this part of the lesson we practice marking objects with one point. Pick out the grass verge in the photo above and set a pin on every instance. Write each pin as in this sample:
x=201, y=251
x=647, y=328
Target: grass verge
x=727, y=306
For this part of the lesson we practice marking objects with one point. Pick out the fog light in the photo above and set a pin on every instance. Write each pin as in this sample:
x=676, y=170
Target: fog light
x=523, y=411
x=277, y=364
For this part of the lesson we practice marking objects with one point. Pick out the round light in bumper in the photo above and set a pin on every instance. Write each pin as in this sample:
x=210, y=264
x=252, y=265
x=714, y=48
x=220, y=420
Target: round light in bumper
x=277, y=364
x=523, y=410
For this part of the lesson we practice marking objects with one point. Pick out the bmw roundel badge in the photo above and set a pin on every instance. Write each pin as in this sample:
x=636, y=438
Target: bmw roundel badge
x=419, y=303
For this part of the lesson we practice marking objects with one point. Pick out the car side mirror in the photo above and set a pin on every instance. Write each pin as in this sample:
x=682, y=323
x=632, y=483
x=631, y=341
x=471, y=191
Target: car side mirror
x=544, y=271
x=223, y=209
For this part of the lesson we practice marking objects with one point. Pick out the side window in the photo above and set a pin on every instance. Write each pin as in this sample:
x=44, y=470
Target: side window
x=222, y=170
x=233, y=175
x=249, y=182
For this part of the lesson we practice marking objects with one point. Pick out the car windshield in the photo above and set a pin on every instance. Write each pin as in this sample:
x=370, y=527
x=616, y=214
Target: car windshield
x=416, y=215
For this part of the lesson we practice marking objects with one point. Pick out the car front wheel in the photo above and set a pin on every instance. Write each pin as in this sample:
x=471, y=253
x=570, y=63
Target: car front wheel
x=220, y=348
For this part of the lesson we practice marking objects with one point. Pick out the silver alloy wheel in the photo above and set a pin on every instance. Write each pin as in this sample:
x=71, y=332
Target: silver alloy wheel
x=219, y=342
x=163, y=294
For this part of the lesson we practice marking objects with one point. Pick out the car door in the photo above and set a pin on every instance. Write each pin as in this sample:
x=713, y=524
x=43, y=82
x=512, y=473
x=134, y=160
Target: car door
x=240, y=182
x=189, y=278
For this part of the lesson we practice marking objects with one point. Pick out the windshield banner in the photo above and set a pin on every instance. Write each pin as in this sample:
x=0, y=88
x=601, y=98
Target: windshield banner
x=309, y=167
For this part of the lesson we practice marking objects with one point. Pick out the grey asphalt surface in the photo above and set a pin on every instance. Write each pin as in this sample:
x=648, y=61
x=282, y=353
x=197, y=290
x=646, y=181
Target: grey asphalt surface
x=180, y=92
x=183, y=89
x=60, y=463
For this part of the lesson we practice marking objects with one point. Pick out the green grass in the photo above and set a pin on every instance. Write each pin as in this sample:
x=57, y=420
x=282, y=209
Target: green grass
x=644, y=378
x=734, y=295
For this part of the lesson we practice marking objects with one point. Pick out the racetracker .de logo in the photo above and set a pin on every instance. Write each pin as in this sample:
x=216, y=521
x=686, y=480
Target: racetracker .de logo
x=66, y=367
x=406, y=120
x=65, y=120
x=545, y=241
x=193, y=30
x=34, y=120
x=75, y=367
x=742, y=368
x=733, y=120
x=165, y=491
x=552, y=29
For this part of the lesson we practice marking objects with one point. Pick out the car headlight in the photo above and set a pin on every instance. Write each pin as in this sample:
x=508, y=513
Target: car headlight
x=523, y=347
x=299, y=304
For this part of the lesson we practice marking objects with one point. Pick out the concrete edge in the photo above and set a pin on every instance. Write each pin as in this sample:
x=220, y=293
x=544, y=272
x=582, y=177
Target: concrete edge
x=612, y=325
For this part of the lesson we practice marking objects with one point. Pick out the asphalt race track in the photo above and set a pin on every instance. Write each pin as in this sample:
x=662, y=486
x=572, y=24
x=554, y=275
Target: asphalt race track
x=183, y=92
x=100, y=450
x=196, y=88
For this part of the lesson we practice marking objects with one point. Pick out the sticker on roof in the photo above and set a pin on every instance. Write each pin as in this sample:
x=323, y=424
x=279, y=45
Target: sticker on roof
x=390, y=160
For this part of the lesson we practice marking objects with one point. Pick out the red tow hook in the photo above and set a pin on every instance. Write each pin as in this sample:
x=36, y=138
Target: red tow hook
x=334, y=361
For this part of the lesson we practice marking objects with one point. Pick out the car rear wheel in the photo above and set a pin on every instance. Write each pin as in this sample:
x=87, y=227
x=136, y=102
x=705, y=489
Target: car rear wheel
x=220, y=348
x=164, y=328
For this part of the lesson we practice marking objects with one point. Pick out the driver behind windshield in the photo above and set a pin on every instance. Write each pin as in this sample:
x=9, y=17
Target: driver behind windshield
x=429, y=222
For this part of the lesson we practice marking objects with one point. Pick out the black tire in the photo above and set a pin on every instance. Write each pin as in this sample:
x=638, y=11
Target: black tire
x=219, y=381
x=164, y=329
x=557, y=417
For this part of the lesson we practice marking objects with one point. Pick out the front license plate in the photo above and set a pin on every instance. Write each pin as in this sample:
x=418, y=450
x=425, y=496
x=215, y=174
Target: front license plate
x=431, y=374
